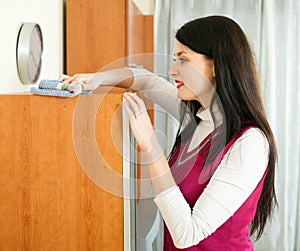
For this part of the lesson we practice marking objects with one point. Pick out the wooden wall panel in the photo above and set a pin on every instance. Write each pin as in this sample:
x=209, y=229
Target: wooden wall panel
x=95, y=34
x=47, y=202
x=101, y=33
x=139, y=36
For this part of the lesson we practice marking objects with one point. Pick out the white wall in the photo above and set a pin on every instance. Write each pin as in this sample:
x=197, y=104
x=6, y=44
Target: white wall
x=49, y=15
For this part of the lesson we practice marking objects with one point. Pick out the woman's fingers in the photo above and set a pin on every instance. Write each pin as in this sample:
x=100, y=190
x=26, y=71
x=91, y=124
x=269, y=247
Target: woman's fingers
x=140, y=103
x=72, y=79
x=63, y=77
x=129, y=112
x=137, y=105
x=140, y=123
x=66, y=79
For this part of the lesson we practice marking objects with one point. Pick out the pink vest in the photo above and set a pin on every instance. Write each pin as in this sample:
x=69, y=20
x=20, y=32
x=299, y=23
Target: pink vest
x=233, y=235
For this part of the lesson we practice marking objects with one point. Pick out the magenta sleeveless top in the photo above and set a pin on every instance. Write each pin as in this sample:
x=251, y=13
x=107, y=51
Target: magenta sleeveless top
x=186, y=168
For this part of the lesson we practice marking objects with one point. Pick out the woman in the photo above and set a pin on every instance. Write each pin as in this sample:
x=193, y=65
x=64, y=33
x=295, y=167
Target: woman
x=220, y=176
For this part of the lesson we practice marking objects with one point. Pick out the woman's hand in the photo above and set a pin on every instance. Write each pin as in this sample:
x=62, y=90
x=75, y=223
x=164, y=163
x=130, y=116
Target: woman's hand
x=146, y=139
x=140, y=122
x=88, y=79
x=84, y=77
x=121, y=77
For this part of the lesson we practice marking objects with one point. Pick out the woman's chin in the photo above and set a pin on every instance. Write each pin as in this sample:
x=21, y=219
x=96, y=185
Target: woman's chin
x=183, y=97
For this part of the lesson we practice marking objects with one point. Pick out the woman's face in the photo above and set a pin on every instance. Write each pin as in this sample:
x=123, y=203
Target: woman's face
x=194, y=75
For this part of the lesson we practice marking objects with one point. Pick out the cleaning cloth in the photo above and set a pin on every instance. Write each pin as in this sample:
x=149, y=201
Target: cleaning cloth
x=53, y=87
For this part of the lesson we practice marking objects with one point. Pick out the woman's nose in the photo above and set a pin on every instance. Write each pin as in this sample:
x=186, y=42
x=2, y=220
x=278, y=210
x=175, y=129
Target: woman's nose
x=173, y=71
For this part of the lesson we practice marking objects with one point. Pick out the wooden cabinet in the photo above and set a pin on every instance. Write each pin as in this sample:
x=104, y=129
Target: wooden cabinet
x=47, y=201
x=95, y=34
x=100, y=34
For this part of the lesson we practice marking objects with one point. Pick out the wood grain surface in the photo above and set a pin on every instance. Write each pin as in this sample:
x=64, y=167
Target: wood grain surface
x=47, y=202
x=95, y=34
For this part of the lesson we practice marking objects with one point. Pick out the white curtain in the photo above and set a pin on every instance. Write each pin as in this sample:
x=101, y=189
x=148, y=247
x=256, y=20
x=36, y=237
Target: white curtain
x=273, y=29
x=280, y=69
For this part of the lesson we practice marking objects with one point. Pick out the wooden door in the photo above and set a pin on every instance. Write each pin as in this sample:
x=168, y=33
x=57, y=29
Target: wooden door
x=47, y=201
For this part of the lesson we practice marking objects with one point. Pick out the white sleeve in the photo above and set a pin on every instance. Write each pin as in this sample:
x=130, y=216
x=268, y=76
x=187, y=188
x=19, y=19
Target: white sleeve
x=234, y=180
x=159, y=90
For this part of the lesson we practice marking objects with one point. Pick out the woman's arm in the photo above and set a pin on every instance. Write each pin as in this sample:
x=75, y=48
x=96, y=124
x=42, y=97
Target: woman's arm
x=234, y=180
x=122, y=77
x=236, y=177
x=151, y=151
x=159, y=90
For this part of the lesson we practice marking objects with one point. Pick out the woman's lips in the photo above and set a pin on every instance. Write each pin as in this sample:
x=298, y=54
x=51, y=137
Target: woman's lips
x=179, y=83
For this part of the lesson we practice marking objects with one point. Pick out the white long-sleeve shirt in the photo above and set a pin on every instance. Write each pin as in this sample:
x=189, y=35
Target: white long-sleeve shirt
x=234, y=180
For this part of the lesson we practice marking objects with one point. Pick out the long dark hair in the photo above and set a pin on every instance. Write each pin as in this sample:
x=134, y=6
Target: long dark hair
x=237, y=92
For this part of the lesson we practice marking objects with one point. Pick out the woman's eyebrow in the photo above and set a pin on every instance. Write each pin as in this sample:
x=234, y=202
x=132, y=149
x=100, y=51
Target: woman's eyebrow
x=178, y=54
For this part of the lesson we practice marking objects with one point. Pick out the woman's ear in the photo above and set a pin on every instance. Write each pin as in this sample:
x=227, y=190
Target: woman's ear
x=213, y=71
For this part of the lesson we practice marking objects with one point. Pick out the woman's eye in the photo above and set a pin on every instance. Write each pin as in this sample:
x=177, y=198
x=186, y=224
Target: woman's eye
x=181, y=60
